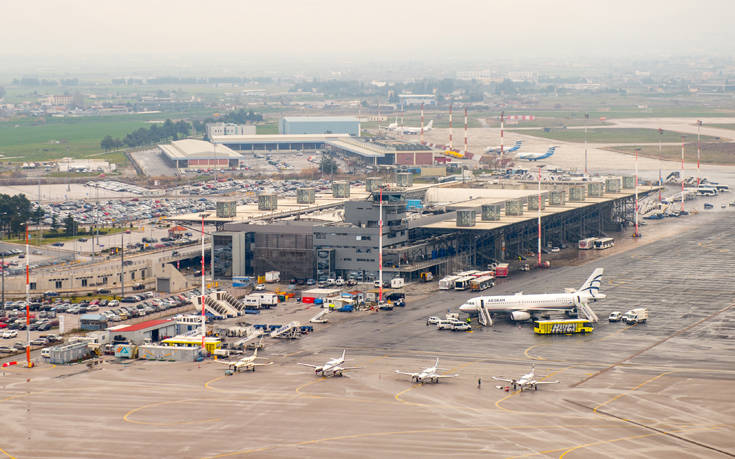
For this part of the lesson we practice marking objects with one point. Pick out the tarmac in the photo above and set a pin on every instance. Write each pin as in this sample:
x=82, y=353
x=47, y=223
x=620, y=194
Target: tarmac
x=662, y=389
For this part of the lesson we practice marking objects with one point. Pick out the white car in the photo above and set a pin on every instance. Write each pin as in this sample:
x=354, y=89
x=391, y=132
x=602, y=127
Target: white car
x=10, y=334
x=260, y=287
x=615, y=316
x=461, y=326
x=433, y=320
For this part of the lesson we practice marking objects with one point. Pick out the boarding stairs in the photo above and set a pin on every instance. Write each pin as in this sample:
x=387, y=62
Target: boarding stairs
x=290, y=330
x=483, y=315
x=254, y=334
x=232, y=301
x=319, y=318
x=585, y=309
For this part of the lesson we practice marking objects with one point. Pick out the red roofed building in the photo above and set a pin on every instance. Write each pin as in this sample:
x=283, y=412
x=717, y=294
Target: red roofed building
x=177, y=231
x=150, y=330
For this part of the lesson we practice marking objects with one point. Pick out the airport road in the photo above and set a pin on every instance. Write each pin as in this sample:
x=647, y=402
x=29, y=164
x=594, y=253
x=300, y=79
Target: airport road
x=663, y=389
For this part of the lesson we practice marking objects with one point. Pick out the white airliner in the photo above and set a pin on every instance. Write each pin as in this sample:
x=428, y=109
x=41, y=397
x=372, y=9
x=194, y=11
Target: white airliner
x=496, y=149
x=536, y=156
x=245, y=363
x=521, y=307
x=526, y=381
x=427, y=374
x=410, y=129
x=332, y=367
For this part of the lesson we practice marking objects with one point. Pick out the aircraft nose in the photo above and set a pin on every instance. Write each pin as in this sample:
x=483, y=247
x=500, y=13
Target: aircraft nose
x=466, y=308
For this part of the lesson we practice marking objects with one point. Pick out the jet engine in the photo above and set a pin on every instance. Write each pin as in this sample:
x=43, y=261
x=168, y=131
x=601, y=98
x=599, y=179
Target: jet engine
x=520, y=315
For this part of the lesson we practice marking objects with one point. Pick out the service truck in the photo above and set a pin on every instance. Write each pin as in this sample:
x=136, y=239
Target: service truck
x=636, y=316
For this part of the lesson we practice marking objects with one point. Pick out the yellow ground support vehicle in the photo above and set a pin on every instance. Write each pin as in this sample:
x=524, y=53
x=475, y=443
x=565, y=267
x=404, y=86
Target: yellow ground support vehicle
x=562, y=327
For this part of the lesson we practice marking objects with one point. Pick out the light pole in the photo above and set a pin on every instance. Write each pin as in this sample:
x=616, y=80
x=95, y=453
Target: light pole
x=204, y=317
x=28, y=301
x=699, y=149
x=660, y=160
x=122, y=264
x=586, y=118
x=636, y=234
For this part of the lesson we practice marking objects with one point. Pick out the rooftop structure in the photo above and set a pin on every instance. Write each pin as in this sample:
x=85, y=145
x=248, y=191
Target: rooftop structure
x=197, y=154
x=320, y=125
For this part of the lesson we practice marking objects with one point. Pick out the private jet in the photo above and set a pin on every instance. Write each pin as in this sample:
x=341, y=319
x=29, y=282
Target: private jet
x=427, y=374
x=245, y=363
x=520, y=307
x=333, y=367
x=526, y=381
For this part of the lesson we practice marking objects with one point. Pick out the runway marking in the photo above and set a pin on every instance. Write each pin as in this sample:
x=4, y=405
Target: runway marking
x=648, y=348
x=126, y=416
x=398, y=432
x=566, y=451
x=623, y=394
x=213, y=380
x=6, y=453
x=534, y=357
x=298, y=389
x=617, y=332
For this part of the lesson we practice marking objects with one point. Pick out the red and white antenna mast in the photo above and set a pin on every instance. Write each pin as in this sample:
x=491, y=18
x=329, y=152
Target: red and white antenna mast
x=451, y=143
x=380, y=246
x=204, y=317
x=539, y=216
x=422, y=123
x=28, y=300
x=638, y=234
x=699, y=150
x=466, y=141
x=682, y=174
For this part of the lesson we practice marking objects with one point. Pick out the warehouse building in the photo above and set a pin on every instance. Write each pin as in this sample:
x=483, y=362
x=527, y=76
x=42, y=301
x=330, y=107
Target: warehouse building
x=214, y=129
x=198, y=154
x=296, y=125
x=150, y=330
x=407, y=100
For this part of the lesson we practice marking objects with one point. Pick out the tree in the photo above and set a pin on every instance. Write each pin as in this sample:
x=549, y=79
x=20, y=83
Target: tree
x=107, y=143
x=328, y=165
x=37, y=215
x=70, y=226
x=15, y=211
x=54, y=223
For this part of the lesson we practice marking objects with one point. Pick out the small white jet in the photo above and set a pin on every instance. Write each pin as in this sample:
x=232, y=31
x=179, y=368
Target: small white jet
x=536, y=156
x=427, y=374
x=333, y=367
x=412, y=130
x=526, y=381
x=520, y=307
x=245, y=363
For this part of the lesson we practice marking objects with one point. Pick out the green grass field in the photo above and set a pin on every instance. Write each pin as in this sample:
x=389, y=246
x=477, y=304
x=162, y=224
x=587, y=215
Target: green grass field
x=265, y=129
x=608, y=135
x=712, y=153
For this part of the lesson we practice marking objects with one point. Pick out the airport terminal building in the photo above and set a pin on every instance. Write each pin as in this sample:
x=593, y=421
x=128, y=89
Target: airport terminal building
x=300, y=125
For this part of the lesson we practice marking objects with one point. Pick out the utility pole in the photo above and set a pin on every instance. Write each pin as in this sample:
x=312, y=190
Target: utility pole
x=380, y=246
x=2, y=255
x=637, y=233
x=682, y=174
x=539, y=216
x=660, y=160
x=28, y=301
x=699, y=150
x=204, y=317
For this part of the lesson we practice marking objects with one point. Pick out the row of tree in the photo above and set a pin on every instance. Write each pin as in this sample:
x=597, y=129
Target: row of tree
x=15, y=211
x=153, y=134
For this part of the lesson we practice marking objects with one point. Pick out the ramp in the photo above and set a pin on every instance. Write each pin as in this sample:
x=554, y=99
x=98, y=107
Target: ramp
x=232, y=301
x=256, y=334
x=290, y=330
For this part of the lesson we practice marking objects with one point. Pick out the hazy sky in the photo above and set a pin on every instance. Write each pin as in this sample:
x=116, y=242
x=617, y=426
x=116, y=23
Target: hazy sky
x=418, y=29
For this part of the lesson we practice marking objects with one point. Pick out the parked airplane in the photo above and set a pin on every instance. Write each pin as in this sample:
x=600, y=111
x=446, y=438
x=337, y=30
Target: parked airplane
x=332, y=366
x=427, y=374
x=536, y=156
x=496, y=149
x=522, y=307
x=410, y=129
x=526, y=381
x=246, y=363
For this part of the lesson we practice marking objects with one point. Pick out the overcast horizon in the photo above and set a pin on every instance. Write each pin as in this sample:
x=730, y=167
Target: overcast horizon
x=85, y=34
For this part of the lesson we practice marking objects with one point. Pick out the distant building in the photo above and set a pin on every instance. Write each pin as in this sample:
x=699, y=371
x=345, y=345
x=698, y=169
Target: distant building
x=59, y=100
x=150, y=330
x=407, y=100
x=295, y=125
x=198, y=154
x=214, y=129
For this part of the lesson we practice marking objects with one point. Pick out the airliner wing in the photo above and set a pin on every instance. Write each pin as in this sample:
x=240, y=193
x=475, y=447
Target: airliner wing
x=347, y=368
x=309, y=365
x=226, y=362
x=546, y=382
x=502, y=379
x=261, y=364
x=445, y=376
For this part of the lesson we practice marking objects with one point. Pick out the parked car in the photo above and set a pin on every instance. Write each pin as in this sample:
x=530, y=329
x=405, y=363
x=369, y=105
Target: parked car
x=615, y=316
x=433, y=320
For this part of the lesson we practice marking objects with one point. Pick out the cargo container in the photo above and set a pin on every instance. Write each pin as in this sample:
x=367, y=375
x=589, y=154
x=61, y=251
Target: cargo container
x=69, y=353
x=501, y=270
x=126, y=351
x=272, y=277
x=169, y=353
x=397, y=282
x=562, y=327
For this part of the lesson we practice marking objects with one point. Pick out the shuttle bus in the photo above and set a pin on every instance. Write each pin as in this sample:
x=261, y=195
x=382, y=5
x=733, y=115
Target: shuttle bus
x=447, y=283
x=562, y=327
x=482, y=283
x=463, y=283
x=604, y=243
x=587, y=243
